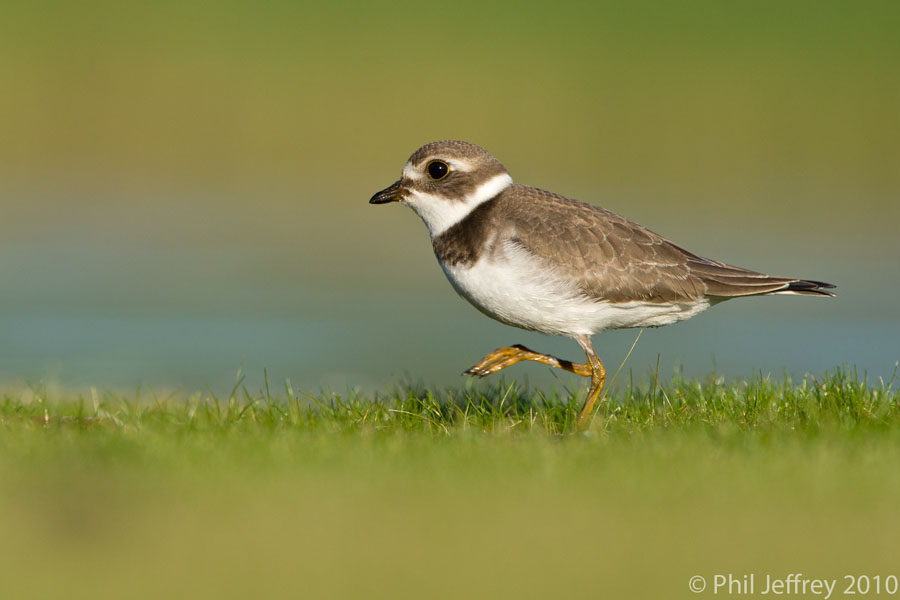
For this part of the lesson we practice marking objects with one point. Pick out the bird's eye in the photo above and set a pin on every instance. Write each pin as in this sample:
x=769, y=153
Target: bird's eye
x=437, y=169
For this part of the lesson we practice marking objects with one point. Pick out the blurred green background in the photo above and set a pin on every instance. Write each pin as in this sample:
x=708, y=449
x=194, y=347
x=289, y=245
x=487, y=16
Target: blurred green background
x=184, y=186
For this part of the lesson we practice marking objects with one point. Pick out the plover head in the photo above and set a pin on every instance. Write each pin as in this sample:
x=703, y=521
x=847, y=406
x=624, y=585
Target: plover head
x=443, y=181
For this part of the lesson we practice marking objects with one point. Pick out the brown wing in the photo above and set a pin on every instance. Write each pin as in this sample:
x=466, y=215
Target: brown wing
x=615, y=259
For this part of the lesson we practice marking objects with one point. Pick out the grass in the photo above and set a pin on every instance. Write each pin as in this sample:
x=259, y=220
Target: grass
x=840, y=399
x=479, y=492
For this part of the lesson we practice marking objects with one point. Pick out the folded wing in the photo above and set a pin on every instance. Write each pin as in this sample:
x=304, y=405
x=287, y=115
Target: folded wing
x=616, y=260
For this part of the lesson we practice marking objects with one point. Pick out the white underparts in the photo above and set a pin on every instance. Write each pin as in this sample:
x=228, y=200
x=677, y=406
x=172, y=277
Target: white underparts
x=439, y=213
x=515, y=287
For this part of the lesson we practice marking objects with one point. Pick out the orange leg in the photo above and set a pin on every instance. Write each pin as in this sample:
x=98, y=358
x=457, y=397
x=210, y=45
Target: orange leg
x=598, y=378
x=507, y=356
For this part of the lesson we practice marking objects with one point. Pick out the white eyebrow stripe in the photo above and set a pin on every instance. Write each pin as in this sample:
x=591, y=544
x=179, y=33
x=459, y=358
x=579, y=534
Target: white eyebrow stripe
x=410, y=172
x=458, y=165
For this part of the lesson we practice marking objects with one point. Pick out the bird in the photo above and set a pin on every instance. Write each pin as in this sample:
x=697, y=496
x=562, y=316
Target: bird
x=543, y=262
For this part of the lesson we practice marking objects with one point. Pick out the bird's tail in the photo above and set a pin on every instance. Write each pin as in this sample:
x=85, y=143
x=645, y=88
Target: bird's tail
x=808, y=287
x=726, y=281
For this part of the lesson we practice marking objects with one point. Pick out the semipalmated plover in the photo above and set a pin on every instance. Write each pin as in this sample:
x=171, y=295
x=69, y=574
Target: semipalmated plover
x=540, y=261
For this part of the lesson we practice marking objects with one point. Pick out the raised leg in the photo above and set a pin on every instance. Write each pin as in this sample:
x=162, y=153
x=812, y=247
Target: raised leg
x=507, y=356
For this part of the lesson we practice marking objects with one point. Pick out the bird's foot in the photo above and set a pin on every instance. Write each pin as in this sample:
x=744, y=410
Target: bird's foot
x=587, y=410
x=507, y=356
x=499, y=359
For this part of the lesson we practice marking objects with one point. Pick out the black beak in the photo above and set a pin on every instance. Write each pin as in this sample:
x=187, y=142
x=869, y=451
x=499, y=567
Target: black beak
x=391, y=194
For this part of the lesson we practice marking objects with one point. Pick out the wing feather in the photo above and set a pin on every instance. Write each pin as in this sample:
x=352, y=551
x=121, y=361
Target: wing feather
x=617, y=260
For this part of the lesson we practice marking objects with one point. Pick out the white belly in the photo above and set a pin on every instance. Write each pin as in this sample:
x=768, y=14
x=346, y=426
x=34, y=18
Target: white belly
x=517, y=289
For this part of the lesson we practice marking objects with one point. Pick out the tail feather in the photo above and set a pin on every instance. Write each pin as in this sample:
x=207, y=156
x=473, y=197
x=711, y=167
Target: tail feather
x=808, y=287
x=725, y=281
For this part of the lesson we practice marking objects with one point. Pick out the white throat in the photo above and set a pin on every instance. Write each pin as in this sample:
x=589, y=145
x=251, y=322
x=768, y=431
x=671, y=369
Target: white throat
x=439, y=214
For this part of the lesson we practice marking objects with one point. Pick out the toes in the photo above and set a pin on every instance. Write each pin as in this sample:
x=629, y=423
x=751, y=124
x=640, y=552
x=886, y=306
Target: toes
x=477, y=372
x=495, y=356
x=498, y=360
x=483, y=370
